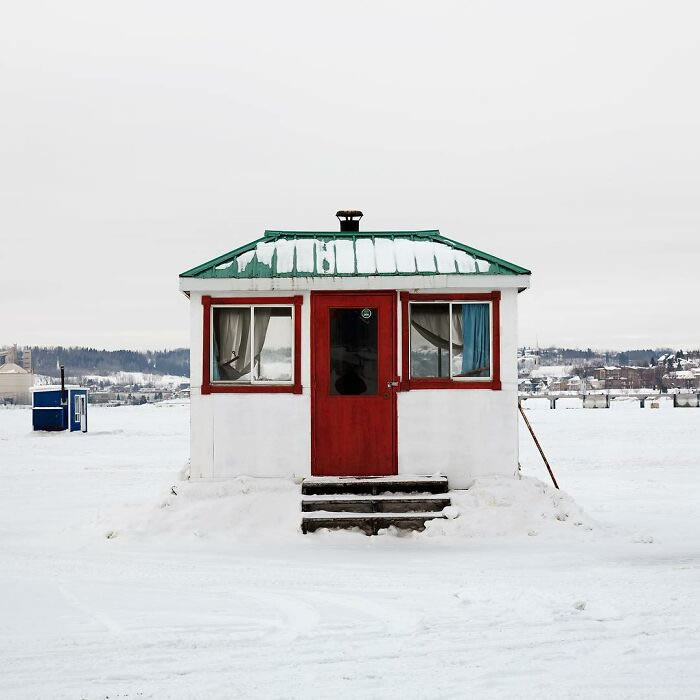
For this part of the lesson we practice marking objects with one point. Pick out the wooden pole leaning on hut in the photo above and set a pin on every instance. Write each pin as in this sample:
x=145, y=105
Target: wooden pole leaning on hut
x=534, y=437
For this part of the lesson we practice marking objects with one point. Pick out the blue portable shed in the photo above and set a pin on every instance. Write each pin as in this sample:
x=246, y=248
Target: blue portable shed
x=54, y=408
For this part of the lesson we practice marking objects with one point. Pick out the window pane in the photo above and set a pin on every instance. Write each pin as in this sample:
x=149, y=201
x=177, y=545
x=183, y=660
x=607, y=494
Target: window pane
x=457, y=339
x=231, y=344
x=353, y=346
x=471, y=349
x=273, y=345
x=430, y=340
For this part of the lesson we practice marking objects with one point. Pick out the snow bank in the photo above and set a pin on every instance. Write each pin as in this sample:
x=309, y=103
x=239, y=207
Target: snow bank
x=253, y=509
x=502, y=506
x=239, y=509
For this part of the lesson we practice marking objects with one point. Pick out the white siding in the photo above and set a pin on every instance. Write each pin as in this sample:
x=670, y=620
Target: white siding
x=462, y=433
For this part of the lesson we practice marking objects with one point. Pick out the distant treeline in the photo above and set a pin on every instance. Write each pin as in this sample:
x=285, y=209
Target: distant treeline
x=637, y=357
x=79, y=361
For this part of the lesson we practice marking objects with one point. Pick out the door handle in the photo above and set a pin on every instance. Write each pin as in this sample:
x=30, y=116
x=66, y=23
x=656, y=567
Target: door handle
x=392, y=384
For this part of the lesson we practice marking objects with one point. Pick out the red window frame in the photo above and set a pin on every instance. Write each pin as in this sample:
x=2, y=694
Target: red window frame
x=408, y=383
x=213, y=388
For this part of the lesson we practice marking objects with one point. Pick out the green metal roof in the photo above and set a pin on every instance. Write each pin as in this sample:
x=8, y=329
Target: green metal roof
x=352, y=254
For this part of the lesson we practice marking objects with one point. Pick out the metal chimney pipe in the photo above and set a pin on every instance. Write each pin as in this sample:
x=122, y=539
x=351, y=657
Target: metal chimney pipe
x=349, y=219
x=64, y=397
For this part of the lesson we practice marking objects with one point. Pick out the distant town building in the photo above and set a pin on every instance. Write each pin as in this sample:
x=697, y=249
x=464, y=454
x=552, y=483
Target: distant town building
x=15, y=384
x=17, y=356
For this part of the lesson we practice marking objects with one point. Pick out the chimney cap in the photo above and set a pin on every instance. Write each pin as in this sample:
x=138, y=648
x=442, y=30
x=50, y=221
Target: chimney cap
x=349, y=220
x=349, y=214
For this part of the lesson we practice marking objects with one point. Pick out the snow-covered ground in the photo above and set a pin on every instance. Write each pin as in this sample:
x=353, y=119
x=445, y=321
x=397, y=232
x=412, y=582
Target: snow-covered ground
x=113, y=585
x=159, y=381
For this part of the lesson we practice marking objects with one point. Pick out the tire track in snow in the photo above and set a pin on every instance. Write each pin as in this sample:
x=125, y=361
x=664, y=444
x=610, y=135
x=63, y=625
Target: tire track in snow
x=102, y=618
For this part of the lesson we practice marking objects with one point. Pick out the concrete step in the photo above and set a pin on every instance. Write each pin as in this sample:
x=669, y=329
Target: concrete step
x=374, y=485
x=369, y=523
x=359, y=503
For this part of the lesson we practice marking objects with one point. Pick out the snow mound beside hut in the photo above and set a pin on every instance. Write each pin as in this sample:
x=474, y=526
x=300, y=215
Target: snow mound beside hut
x=238, y=509
x=501, y=506
x=255, y=510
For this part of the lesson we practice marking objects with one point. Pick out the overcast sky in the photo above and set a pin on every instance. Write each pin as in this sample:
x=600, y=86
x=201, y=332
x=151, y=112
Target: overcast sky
x=138, y=139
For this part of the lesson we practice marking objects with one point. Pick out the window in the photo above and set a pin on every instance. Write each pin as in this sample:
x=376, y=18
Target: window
x=79, y=403
x=353, y=352
x=451, y=341
x=251, y=344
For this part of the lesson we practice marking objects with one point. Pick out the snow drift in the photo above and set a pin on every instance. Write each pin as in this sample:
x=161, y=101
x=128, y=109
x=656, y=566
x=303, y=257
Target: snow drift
x=256, y=509
x=501, y=506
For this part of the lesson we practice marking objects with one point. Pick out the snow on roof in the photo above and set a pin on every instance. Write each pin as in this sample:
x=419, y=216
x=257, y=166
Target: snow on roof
x=319, y=254
x=57, y=387
x=12, y=368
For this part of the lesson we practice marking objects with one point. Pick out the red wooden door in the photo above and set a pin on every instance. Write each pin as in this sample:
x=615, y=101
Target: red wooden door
x=353, y=402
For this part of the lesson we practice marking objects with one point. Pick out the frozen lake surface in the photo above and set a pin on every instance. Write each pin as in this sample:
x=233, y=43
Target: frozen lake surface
x=112, y=585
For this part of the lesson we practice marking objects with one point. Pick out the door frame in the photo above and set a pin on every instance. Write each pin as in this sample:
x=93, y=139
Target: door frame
x=390, y=293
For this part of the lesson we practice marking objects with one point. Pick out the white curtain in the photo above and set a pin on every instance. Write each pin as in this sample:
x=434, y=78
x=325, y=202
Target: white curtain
x=262, y=321
x=232, y=352
x=432, y=321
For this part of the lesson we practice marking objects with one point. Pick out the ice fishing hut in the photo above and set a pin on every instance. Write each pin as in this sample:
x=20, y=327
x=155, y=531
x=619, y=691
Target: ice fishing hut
x=354, y=353
x=59, y=407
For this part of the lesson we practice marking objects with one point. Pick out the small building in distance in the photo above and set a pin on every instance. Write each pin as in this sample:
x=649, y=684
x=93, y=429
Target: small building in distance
x=15, y=384
x=18, y=356
x=59, y=408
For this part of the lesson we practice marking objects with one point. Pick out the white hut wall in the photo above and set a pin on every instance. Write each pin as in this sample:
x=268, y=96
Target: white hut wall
x=264, y=435
x=462, y=433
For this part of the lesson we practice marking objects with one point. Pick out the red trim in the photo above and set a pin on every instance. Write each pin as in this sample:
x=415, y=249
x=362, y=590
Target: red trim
x=496, y=320
x=247, y=301
x=355, y=292
x=209, y=388
x=312, y=337
x=297, y=300
x=408, y=383
x=405, y=355
x=477, y=296
x=206, y=352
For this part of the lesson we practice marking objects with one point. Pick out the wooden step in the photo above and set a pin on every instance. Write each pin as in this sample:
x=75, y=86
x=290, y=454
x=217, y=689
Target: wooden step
x=374, y=485
x=369, y=523
x=404, y=503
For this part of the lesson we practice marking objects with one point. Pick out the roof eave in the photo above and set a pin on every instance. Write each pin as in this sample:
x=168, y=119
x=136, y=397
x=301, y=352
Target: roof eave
x=221, y=259
x=351, y=282
x=515, y=269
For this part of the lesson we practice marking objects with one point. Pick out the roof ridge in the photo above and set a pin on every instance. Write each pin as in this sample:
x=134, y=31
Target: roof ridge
x=423, y=233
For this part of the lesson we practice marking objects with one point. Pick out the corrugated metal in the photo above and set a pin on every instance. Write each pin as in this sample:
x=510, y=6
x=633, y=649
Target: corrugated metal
x=322, y=254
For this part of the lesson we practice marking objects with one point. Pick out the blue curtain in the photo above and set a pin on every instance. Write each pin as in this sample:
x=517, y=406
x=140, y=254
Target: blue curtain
x=476, y=339
x=215, y=374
